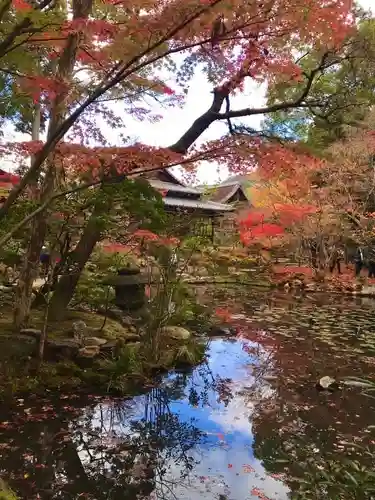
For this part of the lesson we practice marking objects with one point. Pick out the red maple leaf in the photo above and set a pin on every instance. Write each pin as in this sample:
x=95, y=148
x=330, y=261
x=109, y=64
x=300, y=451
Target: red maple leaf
x=21, y=5
x=223, y=314
x=259, y=493
x=167, y=90
x=146, y=235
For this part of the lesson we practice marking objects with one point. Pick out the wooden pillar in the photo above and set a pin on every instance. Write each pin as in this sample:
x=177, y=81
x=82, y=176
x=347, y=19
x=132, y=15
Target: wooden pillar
x=212, y=229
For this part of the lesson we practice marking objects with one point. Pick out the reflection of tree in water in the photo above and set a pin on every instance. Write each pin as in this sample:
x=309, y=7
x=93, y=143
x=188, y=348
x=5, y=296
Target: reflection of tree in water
x=110, y=450
x=300, y=432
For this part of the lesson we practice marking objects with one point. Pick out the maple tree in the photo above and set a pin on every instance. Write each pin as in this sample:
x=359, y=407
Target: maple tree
x=289, y=200
x=109, y=51
x=347, y=181
x=342, y=97
x=334, y=202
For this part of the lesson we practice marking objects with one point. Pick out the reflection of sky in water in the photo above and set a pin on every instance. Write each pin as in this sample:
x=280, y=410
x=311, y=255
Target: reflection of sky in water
x=228, y=445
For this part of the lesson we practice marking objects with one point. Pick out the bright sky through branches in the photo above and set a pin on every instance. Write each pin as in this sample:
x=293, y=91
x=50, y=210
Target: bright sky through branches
x=199, y=97
x=176, y=120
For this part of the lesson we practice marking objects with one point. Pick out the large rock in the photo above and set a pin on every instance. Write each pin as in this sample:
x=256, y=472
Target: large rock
x=134, y=345
x=327, y=384
x=176, y=333
x=62, y=348
x=31, y=332
x=89, y=351
x=221, y=331
x=94, y=341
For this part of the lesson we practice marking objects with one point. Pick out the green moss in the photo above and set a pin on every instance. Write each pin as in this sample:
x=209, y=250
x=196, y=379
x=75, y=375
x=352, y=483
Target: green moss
x=190, y=354
x=6, y=493
x=20, y=373
x=111, y=330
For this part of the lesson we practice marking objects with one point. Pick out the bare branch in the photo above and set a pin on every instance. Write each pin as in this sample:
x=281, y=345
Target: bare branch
x=227, y=110
x=299, y=102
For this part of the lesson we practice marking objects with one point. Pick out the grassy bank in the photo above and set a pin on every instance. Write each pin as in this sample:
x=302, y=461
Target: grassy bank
x=122, y=362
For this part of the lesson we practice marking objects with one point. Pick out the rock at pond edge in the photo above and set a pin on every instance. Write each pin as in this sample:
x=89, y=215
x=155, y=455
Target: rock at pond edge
x=327, y=384
x=89, y=351
x=222, y=331
x=62, y=348
x=176, y=333
x=94, y=341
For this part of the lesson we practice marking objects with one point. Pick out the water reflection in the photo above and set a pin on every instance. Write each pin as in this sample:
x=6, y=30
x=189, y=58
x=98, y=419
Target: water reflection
x=189, y=437
x=247, y=424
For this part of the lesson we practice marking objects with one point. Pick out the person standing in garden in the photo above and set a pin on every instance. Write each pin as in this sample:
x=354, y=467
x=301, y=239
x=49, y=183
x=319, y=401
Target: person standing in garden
x=45, y=260
x=336, y=259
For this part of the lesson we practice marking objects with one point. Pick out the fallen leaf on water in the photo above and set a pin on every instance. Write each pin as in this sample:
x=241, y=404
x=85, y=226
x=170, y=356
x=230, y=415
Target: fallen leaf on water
x=248, y=468
x=259, y=493
x=277, y=476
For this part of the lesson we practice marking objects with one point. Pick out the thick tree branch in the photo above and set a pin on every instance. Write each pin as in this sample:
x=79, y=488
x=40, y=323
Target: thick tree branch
x=227, y=110
x=221, y=94
x=18, y=30
x=202, y=123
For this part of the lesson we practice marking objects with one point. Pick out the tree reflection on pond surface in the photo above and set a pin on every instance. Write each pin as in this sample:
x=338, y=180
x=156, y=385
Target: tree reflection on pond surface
x=249, y=423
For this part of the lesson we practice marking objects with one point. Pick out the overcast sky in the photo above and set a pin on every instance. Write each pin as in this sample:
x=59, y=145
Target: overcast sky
x=176, y=120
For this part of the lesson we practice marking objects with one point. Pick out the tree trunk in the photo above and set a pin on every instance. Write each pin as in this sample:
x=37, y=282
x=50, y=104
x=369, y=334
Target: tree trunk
x=42, y=339
x=40, y=299
x=81, y=10
x=66, y=285
x=29, y=273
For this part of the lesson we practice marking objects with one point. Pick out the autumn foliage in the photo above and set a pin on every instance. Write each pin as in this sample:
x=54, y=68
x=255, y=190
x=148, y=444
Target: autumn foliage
x=117, y=43
x=97, y=65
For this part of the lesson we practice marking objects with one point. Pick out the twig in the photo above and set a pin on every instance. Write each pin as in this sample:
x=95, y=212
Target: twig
x=106, y=310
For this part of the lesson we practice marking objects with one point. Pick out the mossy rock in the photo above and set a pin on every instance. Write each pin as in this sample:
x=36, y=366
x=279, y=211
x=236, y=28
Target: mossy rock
x=16, y=347
x=94, y=322
x=181, y=356
x=176, y=333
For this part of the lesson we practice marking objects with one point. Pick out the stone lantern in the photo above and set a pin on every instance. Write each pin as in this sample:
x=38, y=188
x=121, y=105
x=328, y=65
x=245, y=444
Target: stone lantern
x=129, y=285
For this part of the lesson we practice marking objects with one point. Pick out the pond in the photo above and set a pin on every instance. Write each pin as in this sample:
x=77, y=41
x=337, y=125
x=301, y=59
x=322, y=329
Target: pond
x=249, y=423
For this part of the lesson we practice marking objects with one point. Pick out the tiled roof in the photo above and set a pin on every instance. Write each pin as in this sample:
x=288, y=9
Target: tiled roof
x=177, y=188
x=226, y=189
x=222, y=193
